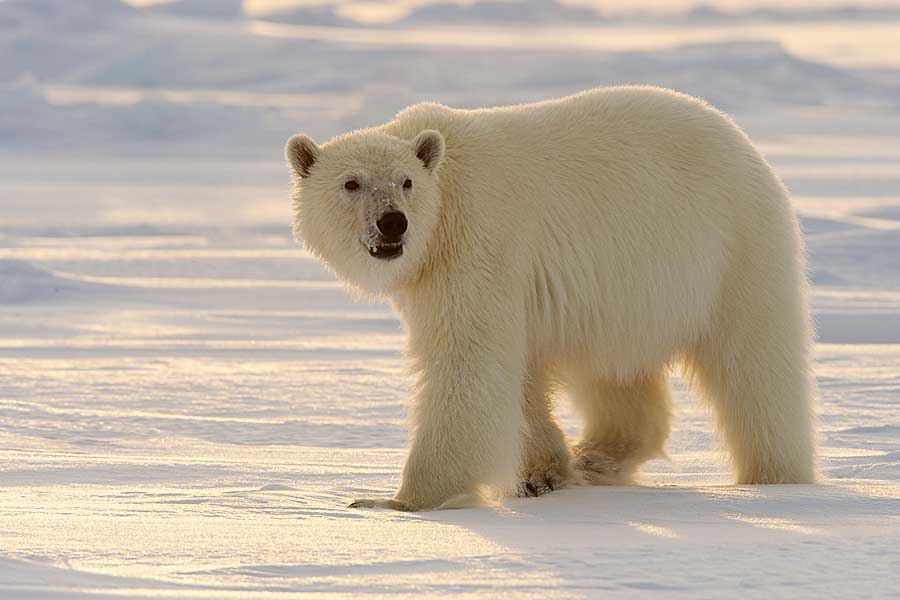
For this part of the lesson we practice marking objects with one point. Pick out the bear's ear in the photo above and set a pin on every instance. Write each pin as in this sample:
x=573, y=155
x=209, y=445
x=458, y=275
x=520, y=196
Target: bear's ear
x=429, y=148
x=301, y=152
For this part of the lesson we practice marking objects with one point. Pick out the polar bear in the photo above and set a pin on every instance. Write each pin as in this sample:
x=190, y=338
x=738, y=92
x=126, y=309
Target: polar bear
x=586, y=243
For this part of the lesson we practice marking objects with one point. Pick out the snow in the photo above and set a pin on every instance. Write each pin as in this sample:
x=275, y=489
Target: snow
x=188, y=400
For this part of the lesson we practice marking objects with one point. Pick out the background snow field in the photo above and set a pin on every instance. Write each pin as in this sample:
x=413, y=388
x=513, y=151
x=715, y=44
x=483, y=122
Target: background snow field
x=188, y=400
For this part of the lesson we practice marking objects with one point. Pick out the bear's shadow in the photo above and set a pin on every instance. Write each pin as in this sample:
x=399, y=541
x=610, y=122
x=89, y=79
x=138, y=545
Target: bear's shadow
x=669, y=514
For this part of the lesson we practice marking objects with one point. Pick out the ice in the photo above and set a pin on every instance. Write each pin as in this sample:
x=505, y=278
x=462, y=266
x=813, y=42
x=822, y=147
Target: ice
x=206, y=9
x=540, y=12
x=189, y=400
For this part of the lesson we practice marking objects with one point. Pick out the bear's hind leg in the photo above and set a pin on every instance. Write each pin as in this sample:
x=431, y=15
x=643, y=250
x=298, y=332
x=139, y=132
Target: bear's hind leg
x=624, y=426
x=754, y=362
x=759, y=385
x=546, y=460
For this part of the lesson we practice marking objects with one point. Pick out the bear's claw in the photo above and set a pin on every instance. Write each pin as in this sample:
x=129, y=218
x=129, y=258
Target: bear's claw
x=381, y=503
x=538, y=484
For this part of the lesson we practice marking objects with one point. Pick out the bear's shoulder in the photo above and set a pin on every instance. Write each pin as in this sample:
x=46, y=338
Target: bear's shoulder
x=424, y=110
x=414, y=119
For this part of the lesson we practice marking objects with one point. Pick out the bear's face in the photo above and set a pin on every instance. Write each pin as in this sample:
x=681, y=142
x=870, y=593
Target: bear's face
x=367, y=203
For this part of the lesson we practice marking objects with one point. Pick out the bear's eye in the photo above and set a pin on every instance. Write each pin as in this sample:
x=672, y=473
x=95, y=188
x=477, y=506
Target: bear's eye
x=407, y=184
x=351, y=185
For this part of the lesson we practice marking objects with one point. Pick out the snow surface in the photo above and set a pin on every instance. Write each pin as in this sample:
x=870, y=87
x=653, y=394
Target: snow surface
x=188, y=400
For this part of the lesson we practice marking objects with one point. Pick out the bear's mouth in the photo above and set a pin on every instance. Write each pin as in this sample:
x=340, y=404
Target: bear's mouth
x=385, y=251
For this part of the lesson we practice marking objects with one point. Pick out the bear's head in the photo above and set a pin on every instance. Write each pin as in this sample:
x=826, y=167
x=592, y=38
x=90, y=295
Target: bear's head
x=367, y=203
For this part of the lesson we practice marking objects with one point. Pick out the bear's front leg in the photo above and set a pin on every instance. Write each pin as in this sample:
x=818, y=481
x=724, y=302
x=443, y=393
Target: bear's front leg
x=546, y=460
x=467, y=414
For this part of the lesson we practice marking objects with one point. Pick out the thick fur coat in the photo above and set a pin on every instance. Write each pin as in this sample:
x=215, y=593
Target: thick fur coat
x=587, y=243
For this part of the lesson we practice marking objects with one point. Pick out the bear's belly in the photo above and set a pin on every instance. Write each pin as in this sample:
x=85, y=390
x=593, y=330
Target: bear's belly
x=622, y=310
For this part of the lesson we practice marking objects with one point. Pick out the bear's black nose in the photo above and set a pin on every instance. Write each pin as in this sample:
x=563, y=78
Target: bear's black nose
x=392, y=225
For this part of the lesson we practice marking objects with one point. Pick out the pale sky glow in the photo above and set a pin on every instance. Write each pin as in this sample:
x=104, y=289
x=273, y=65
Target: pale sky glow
x=867, y=44
x=397, y=8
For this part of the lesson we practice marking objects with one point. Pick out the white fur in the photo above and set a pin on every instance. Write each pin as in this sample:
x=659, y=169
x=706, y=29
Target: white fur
x=586, y=242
